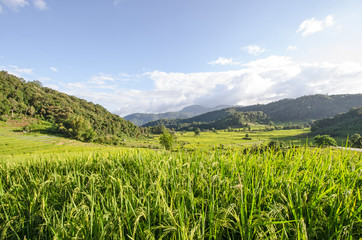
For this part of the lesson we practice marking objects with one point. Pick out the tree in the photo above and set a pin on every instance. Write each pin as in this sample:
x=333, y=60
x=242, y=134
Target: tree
x=197, y=131
x=167, y=140
x=80, y=128
x=324, y=140
x=356, y=140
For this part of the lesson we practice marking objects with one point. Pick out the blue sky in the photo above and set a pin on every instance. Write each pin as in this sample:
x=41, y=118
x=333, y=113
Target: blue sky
x=162, y=55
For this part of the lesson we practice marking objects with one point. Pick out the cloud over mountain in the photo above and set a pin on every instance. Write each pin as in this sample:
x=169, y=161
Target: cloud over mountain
x=259, y=81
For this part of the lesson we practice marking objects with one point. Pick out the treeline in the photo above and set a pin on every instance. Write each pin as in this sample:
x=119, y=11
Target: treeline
x=341, y=125
x=70, y=115
x=214, y=120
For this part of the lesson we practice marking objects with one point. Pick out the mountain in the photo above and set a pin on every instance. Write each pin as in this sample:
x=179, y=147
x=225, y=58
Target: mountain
x=302, y=109
x=306, y=108
x=341, y=125
x=140, y=119
x=220, y=119
x=69, y=115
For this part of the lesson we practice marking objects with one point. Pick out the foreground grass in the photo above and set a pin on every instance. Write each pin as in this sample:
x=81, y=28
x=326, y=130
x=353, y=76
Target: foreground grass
x=134, y=194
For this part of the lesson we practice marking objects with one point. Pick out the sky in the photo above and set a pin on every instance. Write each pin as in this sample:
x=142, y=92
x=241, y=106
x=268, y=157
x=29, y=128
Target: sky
x=153, y=56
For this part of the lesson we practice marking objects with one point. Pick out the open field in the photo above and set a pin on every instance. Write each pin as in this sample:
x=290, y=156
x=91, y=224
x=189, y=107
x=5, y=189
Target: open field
x=235, y=140
x=144, y=194
x=14, y=142
x=55, y=188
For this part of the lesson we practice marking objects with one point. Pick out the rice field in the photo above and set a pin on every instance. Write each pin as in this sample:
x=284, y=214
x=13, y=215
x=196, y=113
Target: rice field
x=236, y=140
x=303, y=193
x=14, y=142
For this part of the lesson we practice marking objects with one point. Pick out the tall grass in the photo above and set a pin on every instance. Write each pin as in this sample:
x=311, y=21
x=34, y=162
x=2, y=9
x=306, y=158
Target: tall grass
x=298, y=194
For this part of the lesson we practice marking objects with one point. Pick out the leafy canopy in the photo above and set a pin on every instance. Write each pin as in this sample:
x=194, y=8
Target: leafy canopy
x=167, y=139
x=324, y=140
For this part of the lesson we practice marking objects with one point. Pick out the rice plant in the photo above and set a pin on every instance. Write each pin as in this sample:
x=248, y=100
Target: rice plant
x=143, y=194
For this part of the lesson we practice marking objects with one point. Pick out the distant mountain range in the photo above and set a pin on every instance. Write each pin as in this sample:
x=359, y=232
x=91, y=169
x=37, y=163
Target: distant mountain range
x=302, y=109
x=140, y=119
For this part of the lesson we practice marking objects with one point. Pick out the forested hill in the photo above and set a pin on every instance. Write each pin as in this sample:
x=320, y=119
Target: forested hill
x=140, y=119
x=72, y=116
x=302, y=109
x=220, y=119
x=341, y=125
x=307, y=108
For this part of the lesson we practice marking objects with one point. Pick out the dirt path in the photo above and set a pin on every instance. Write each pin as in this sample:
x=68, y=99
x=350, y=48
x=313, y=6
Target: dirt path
x=350, y=149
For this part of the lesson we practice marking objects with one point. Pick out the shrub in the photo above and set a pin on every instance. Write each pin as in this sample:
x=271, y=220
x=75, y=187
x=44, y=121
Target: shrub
x=167, y=140
x=324, y=140
x=356, y=140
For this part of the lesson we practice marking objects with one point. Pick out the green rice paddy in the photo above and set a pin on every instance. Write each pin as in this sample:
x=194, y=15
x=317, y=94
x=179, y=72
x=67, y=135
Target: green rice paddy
x=53, y=188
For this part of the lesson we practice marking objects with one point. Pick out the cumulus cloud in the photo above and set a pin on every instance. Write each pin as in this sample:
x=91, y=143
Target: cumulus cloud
x=312, y=25
x=253, y=49
x=223, y=61
x=15, y=5
x=261, y=81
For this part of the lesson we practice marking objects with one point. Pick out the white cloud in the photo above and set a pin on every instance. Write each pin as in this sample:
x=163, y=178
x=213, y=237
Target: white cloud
x=104, y=79
x=40, y=4
x=253, y=49
x=223, y=61
x=101, y=79
x=259, y=81
x=15, y=70
x=292, y=48
x=312, y=25
x=15, y=5
x=54, y=69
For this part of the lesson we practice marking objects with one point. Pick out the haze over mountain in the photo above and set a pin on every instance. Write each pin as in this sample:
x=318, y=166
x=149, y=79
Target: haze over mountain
x=140, y=119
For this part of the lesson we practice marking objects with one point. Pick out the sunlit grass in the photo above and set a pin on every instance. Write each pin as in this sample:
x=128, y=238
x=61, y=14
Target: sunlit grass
x=144, y=194
x=235, y=140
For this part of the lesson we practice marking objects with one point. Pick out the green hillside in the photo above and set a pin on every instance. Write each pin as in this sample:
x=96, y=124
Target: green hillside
x=307, y=108
x=220, y=119
x=302, y=109
x=341, y=125
x=69, y=115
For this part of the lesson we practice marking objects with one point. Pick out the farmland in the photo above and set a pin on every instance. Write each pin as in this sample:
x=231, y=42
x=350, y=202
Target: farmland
x=14, y=142
x=76, y=190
